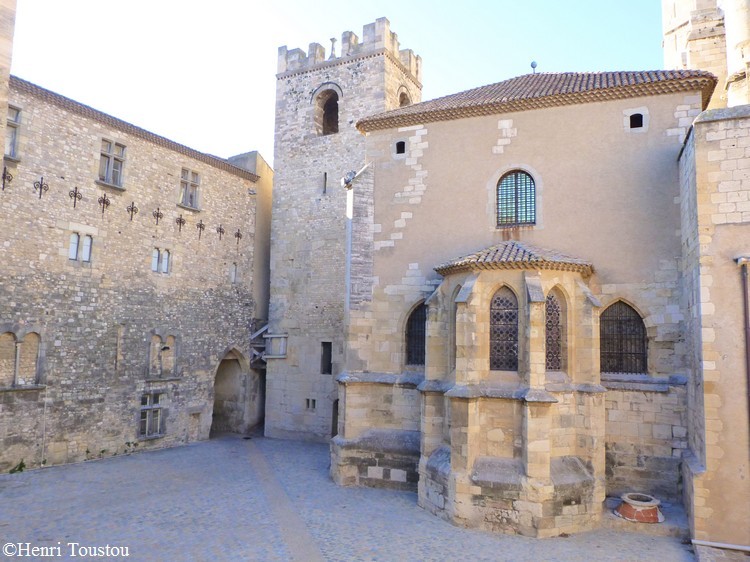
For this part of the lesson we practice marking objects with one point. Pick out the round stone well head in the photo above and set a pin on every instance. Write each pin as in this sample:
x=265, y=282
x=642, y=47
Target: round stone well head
x=640, y=508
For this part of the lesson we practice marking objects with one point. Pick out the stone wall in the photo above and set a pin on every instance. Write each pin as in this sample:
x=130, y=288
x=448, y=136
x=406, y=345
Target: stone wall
x=715, y=184
x=646, y=436
x=97, y=317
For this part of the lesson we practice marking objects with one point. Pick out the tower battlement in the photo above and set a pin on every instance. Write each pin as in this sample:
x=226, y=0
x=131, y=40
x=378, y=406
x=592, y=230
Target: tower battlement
x=376, y=36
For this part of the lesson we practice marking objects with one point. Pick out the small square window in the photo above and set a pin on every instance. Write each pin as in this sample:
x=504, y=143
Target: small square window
x=636, y=120
x=401, y=147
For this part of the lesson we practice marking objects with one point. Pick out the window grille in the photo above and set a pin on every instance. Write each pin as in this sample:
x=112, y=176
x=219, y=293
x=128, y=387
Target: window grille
x=516, y=199
x=622, y=337
x=504, y=331
x=554, y=334
x=415, y=336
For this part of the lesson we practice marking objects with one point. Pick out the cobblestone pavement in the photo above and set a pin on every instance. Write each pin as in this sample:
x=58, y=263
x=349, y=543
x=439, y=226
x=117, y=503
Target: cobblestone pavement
x=259, y=499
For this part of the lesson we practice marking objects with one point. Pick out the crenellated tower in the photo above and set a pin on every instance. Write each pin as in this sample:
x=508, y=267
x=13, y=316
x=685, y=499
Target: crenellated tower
x=319, y=99
x=712, y=35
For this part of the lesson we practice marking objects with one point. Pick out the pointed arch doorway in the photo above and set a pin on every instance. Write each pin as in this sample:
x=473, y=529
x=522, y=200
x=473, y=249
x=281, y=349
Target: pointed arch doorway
x=239, y=395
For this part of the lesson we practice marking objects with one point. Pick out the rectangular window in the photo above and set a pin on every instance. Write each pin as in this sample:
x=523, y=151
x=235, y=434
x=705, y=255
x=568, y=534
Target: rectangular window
x=155, y=260
x=80, y=247
x=160, y=261
x=233, y=273
x=73, y=249
x=151, y=422
x=86, y=254
x=189, y=182
x=11, y=132
x=310, y=403
x=165, y=261
x=326, y=358
x=111, y=163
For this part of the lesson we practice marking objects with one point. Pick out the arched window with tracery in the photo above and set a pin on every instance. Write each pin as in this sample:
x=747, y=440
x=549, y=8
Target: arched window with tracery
x=555, y=332
x=504, y=331
x=622, y=340
x=516, y=199
x=415, y=335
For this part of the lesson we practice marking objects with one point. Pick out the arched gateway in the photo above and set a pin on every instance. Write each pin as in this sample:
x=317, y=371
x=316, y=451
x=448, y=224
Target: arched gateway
x=239, y=395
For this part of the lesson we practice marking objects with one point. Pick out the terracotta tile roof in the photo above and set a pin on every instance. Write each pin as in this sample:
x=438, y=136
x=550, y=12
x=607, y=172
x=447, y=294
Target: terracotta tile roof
x=109, y=121
x=515, y=255
x=534, y=91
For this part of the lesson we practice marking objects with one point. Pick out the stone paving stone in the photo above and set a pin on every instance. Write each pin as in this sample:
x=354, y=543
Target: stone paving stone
x=211, y=501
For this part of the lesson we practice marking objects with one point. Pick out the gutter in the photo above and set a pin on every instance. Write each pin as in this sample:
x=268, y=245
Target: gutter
x=743, y=262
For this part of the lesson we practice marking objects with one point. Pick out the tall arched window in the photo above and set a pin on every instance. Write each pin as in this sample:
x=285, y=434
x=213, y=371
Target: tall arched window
x=516, y=199
x=327, y=113
x=403, y=99
x=7, y=359
x=415, y=336
x=504, y=331
x=555, y=333
x=622, y=337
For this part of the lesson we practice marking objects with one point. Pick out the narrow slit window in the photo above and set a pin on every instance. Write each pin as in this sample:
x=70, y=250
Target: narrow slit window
x=165, y=261
x=415, y=336
x=326, y=358
x=86, y=254
x=73, y=249
x=155, y=260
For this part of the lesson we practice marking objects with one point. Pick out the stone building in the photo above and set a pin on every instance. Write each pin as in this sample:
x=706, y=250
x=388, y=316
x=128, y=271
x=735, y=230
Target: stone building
x=516, y=300
x=134, y=273
x=528, y=292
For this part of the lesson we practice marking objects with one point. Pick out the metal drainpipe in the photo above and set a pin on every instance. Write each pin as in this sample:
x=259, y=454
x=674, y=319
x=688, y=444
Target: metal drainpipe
x=743, y=262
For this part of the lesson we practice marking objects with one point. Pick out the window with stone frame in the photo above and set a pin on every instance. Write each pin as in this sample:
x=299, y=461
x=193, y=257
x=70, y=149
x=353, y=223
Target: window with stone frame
x=151, y=422
x=516, y=199
x=80, y=247
x=415, y=335
x=111, y=162
x=19, y=359
x=12, y=129
x=7, y=359
x=189, y=185
x=504, y=331
x=162, y=356
x=555, y=333
x=161, y=260
x=622, y=339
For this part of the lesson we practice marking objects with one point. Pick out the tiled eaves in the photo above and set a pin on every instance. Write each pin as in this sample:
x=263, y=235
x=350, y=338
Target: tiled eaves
x=446, y=269
x=515, y=255
x=348, y=60
x=472, y=104
x=128, y=128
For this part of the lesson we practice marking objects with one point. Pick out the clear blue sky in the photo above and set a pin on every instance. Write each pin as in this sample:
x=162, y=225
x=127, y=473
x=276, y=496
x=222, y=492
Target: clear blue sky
x=203, y=73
